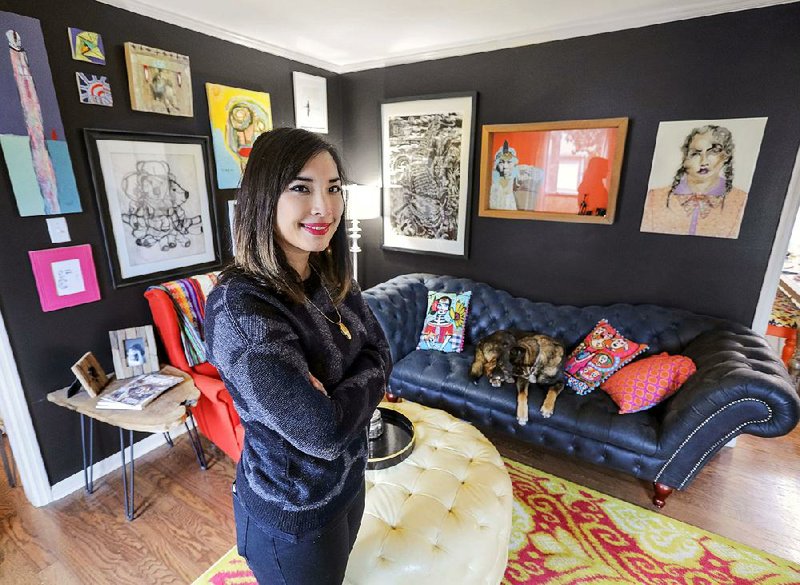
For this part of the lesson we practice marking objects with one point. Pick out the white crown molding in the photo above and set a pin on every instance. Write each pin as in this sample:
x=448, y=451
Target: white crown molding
x=574, y=29
x=217, y=31
x=577, y=28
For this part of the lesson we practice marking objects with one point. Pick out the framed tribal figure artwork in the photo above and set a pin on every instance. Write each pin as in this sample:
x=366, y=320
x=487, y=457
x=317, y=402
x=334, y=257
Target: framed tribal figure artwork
x=156, y=205
x=426, y=146
x=553, y=171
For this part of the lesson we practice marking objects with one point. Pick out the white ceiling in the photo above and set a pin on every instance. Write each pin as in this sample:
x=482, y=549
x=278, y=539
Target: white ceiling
x=352, y=35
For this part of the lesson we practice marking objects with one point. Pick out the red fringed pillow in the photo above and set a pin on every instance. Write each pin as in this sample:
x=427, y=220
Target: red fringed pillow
x=645, y=383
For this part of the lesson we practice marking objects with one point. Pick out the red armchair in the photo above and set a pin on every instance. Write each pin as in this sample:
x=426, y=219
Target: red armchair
x=214, y=413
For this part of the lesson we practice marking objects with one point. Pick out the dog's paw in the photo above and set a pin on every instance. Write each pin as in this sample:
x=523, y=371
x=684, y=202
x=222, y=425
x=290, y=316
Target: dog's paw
x=522, y=421
x=546, y=412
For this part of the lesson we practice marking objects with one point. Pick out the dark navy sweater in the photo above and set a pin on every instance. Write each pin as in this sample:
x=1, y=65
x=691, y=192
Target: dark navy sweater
x=304, y=453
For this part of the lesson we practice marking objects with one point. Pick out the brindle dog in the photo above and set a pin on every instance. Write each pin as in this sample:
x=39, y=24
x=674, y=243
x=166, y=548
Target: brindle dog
x=539, y=359
x=491, y=358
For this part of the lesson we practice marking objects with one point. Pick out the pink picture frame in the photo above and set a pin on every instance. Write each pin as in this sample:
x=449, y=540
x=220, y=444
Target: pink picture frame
x=65, y=277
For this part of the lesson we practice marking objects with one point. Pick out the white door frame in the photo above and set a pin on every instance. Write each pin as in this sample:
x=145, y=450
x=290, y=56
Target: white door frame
x=779, y=246
x=19, y=426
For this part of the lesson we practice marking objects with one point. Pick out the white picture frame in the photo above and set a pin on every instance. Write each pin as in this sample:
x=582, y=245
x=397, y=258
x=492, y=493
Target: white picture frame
x=434, y=222
x=310, y=102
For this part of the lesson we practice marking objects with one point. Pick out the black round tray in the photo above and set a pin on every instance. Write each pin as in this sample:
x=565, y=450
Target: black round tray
x=395, y=443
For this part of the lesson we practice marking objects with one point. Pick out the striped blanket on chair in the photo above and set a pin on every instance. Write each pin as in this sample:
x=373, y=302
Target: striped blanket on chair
x=189, y=297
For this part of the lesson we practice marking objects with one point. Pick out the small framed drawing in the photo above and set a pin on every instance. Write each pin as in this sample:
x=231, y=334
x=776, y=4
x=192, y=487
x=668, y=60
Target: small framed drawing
x=90, y=374
x=426, y=152
x=133, y=351
x=159, y=81
x=310, y=102
x=156, y=205
x=65, y=277
x=555, y=171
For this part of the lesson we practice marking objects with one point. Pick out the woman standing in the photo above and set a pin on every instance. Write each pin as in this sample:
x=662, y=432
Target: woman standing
x=304, y=359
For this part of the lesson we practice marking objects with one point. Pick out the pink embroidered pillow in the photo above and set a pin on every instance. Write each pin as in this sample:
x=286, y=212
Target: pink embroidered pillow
x=601, y=353
x=645, y=383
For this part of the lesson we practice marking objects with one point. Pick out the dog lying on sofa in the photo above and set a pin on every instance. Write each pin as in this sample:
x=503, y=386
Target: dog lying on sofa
x=740, y=385
x=525, y=357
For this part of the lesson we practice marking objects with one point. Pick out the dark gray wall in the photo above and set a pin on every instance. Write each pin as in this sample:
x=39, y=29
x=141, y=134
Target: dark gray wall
x=47, y=344
x=736, y=65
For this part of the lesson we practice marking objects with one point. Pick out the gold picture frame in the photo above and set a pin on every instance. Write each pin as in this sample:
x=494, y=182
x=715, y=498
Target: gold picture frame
x=552, y=171
x=134, y=351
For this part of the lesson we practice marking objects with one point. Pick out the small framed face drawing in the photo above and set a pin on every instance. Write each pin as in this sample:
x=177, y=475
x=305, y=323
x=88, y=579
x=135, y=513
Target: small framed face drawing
x=65, y=277
x=133, y=351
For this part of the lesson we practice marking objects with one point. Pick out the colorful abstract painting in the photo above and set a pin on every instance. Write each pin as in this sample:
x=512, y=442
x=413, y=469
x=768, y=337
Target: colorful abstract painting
x=94, y=90
x=31, y=132
x=159, y=81
x=238, y=117
x=86, y=46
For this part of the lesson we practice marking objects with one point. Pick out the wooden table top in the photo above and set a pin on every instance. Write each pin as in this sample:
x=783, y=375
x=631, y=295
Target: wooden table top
x=161, y=415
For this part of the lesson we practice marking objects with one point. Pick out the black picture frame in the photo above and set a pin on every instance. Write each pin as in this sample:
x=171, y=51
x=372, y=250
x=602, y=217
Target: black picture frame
x=427, y=108
x=151, y=212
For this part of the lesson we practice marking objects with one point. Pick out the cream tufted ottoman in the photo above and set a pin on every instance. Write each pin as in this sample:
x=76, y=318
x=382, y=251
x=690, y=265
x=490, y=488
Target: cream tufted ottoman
x=442, y=516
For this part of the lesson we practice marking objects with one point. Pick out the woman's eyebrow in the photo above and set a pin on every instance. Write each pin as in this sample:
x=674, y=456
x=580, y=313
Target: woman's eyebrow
x=310, y=180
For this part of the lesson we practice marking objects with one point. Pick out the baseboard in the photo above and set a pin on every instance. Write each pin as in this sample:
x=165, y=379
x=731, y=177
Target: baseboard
x=111, y=463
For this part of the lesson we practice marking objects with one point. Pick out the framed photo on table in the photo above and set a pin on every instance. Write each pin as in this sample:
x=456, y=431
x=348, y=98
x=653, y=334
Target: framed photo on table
x=426, y=148
x=156, y=204
x=553, y=171
x=133, y=351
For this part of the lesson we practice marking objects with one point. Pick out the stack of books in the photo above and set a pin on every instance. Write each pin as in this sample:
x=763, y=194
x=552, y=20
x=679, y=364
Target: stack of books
x=138, y=392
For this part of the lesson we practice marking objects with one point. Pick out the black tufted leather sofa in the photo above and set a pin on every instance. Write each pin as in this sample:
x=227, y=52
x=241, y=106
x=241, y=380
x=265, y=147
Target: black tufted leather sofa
x=740, y=385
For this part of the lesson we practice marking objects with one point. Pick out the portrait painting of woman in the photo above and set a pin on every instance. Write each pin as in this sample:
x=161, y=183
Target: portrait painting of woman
x=699, y=185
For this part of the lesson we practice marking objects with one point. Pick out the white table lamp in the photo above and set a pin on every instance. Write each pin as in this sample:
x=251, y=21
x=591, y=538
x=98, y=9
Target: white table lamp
x=363, y=202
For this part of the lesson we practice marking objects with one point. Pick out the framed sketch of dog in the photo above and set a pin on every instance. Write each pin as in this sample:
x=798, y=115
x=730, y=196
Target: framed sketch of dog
x=154, y=193
x=426, y=147
x=553, y=171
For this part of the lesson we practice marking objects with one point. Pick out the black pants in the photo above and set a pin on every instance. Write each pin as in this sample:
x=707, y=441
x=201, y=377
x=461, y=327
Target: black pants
x=275, y=561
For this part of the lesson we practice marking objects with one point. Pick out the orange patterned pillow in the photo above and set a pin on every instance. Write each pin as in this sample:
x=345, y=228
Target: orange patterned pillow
x=643, y=384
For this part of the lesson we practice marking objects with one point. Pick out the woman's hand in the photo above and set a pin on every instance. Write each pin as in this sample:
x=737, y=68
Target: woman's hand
x=317, y=384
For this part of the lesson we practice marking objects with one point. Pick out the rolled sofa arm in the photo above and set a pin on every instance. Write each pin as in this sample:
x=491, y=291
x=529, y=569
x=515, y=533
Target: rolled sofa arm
x=740, y=387
x=399, y=305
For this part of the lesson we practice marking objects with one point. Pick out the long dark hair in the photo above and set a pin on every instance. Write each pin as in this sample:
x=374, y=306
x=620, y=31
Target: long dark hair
x=276, y=160
x=724, y=138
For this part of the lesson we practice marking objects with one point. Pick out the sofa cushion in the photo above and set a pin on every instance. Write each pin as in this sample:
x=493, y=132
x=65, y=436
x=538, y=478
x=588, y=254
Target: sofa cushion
x=601, y=353
x=445, y=320
x=645, y=383
x=441, y=380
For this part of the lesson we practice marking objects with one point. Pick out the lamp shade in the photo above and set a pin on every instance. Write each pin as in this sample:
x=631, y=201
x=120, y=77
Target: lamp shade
x=363, y=201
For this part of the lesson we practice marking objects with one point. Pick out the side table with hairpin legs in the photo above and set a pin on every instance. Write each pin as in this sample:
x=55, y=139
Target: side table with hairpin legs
x=166, y=412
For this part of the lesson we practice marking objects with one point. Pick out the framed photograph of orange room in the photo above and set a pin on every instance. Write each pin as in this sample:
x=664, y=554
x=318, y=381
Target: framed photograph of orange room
x=553, y=171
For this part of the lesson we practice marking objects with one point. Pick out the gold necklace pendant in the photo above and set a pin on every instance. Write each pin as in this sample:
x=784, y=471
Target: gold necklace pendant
x=345, y=331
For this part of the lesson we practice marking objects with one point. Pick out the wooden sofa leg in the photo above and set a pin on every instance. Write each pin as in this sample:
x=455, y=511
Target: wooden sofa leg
x=662, y=493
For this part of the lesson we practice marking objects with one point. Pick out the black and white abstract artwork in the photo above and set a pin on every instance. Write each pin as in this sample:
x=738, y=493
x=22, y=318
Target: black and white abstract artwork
x=426, y=167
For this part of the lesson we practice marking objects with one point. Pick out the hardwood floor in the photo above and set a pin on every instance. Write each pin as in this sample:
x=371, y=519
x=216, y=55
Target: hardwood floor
x=184, y=520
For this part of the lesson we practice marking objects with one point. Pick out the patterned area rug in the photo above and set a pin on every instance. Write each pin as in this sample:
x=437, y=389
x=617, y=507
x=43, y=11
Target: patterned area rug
x=566, y=534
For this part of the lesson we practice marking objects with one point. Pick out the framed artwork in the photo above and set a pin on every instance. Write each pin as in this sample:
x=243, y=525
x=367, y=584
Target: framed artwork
x=553, y=171
x=238, y=117
x=310, y=102
x=86, y=46
x=65, y=277
x=94, y=90
x=156, y=204
x=426, y=148
x=90, y=374
x=231, y=218
x=159, y=81
x=697, y=187
x=133, y=351
x=31, y=132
